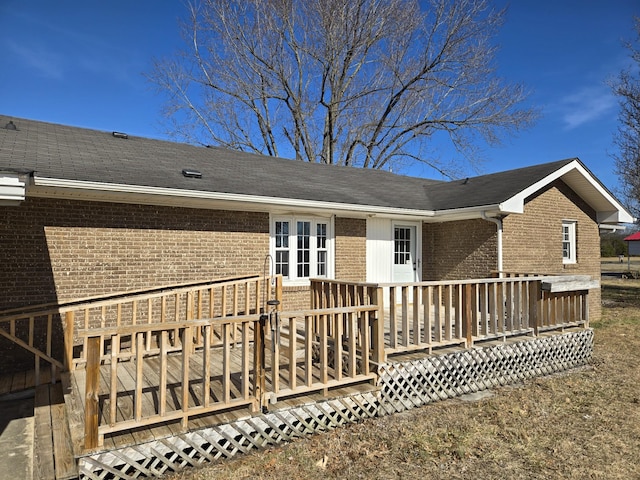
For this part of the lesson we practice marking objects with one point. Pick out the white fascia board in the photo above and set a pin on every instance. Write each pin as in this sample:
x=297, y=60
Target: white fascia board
x=12, y=189
x=122, y=193
x=616, y=214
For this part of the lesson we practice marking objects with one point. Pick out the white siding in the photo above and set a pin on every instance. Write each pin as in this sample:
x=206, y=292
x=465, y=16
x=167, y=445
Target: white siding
x=379, y=249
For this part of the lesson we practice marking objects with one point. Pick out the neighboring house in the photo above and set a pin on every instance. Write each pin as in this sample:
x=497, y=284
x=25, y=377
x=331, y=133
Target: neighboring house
x=87, y=212
x=633, y=244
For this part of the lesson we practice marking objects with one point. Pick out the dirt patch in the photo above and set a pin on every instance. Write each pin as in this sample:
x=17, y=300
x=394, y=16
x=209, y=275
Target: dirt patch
x=585, y=424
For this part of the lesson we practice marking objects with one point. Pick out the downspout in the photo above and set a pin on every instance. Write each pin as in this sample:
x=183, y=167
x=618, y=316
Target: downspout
x=498, y=222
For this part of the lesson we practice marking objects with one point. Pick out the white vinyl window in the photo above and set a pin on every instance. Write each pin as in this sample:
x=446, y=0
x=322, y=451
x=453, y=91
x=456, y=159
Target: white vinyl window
x=568, y=241
x=302, y=247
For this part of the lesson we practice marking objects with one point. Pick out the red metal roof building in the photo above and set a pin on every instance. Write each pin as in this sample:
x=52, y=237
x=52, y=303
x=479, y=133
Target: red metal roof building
x=634, y=243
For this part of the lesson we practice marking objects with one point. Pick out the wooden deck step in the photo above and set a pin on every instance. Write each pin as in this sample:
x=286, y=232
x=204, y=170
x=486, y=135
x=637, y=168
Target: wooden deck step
x=53, y=456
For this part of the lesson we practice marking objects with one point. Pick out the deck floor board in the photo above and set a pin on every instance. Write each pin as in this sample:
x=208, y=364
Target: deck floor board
x=126, y=372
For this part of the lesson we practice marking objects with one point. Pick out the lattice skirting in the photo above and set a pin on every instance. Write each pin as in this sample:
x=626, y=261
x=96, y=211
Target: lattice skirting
x=171, y=454
x=402, y=386
x=411, y=384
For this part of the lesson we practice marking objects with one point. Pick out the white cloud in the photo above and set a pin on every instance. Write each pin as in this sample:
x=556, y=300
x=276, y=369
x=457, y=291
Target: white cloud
x=48, y=63
x=586, y=105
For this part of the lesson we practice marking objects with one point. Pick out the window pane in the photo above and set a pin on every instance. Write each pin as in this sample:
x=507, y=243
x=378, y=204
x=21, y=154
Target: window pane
x=303, y=244
x=282, y=263
x=402, y=245
x=322, y=263
x=321, y=249
x=321, y=235
x=282, y=234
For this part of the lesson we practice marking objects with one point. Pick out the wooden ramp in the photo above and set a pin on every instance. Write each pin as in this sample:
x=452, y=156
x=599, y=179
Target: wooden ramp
x=50, y=451
x=54, y=458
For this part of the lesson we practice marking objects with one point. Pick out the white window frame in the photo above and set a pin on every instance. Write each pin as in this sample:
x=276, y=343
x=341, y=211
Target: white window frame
x=292, y=278
x=569, y=238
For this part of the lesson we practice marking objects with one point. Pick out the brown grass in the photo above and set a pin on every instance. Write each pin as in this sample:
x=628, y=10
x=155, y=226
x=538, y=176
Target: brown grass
x=613, y=264
x=584, y=424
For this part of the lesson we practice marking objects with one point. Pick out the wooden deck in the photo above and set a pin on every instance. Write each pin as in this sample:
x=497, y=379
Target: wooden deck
x=153, y=367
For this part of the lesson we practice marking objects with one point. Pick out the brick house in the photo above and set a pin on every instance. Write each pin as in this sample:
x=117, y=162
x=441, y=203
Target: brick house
x=87, y=213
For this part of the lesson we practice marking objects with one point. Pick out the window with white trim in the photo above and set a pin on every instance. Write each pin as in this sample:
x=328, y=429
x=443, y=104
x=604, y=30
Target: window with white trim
x=568, y=241
x=302, y=247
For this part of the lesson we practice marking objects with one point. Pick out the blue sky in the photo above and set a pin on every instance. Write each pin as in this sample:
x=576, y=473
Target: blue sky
x=83, y=62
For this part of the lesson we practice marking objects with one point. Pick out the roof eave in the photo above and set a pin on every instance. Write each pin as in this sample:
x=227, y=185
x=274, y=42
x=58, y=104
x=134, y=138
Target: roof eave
x=467, y=213
x=124, y=193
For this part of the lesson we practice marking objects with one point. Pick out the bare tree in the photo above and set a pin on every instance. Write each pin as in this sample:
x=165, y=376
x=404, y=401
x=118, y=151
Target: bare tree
x=627, y=139
x=350, y=82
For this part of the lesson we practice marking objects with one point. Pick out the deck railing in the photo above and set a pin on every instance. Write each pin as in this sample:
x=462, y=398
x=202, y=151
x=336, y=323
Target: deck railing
x=320, y=349
x=129, y=384
x=50, y=332
x=40, y=334
x=429, y=315
x=216, y=299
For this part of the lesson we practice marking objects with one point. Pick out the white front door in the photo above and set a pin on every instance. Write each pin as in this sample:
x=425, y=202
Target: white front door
x=405, y=259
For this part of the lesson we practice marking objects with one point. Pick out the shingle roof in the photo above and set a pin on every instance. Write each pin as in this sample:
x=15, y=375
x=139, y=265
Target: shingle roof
x=71, y=153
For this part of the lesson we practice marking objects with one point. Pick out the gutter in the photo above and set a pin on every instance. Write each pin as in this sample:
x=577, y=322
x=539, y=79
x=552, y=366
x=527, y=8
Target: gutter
x=498, y=223
x=56, y=187
x=13, y=184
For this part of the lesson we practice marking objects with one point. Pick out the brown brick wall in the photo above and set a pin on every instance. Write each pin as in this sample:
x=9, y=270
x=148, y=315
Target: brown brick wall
x=296, y=297
x=55, y=250
x=351, y=249
x=458, y=250
x=533, y=242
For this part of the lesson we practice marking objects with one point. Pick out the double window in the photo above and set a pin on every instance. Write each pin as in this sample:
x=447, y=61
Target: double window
x=302, y=247
x=568, y=241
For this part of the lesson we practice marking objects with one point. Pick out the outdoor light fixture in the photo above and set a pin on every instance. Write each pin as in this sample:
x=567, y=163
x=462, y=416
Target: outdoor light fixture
x=191, y=173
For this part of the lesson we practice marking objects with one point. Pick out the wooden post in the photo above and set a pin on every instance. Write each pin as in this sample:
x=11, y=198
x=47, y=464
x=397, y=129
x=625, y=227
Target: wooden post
x=314, y=299
x=535, y=291
x=92, y=383
x=279, y=292
x=378, y=354
x=585, y=308
x=259, y=328
x=68, y=340
x=467, y=327
x=187, y=337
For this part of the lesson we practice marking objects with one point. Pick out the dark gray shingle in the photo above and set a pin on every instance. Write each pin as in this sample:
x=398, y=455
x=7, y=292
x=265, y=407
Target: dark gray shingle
x=58, y=151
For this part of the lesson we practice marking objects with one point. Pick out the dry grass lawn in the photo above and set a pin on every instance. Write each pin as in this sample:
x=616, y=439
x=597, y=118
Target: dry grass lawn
x=585, y=424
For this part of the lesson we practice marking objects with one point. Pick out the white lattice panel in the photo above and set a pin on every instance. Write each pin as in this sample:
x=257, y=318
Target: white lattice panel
x=193, y=448
x=414, y=383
